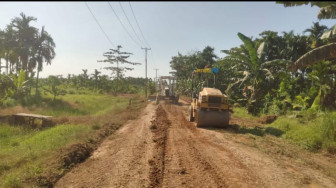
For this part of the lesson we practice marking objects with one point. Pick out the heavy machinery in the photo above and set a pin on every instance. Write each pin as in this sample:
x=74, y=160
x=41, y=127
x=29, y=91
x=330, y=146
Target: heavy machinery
x=167, y=85
x=209, y=107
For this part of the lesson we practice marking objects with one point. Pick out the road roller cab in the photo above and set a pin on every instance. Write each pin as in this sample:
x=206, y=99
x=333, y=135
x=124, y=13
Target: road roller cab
x=210, y=108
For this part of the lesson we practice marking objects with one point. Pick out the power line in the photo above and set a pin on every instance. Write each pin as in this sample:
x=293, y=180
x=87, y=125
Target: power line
x=99, y=24
x=138, y=24
x=130, y=23
x=123, y=25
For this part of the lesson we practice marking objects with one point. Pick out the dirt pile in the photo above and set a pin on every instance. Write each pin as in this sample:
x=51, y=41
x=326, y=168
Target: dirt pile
x=268, y=119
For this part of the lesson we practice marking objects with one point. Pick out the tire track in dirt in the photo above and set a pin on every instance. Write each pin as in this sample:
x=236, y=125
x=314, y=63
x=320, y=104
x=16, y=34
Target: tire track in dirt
x=163, y=149
x=159, y=128
x=190, y=159
x=206, y=163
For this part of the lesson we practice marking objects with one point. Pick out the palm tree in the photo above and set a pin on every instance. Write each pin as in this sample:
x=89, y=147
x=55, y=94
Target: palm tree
x=25, y=37
x=10, y=49
x=43, y=51
x=96, y=77
x=316, y=32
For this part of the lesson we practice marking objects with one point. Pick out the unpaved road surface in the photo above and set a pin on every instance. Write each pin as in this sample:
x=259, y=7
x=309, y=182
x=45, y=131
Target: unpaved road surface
x=163, y=149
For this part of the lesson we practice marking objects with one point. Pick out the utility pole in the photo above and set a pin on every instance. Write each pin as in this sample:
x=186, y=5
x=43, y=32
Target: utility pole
x=156, y=78
x=146, y=49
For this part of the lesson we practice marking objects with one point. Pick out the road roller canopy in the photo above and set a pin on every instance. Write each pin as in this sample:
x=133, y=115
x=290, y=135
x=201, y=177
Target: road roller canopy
x=211, y=91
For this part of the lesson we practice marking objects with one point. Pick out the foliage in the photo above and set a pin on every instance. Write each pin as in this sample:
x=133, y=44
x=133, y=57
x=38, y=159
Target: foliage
x=184, y=65
x=54, y=89
x=327, y=11
x=257, y=69
x=115, y=56
x=310, y=133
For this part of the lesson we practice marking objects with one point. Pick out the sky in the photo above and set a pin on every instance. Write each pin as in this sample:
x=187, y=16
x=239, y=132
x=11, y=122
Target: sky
x=168, y=28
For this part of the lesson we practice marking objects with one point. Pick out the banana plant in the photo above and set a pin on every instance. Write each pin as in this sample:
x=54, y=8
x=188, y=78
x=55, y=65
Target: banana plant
x=20, y=86
x=257, y=73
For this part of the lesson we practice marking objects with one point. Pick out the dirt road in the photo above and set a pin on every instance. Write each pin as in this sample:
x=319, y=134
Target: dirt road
x=163, y=149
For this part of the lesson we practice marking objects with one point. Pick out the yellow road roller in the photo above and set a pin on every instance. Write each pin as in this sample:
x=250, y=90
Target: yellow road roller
x=209, y=107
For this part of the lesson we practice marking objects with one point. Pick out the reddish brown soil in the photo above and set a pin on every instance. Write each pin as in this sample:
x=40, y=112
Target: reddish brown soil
x=163, y=149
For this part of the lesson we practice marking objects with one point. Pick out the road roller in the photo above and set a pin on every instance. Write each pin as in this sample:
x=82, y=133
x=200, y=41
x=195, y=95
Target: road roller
x=209, y=107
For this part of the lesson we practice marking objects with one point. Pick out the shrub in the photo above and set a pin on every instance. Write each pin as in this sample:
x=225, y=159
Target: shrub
x=12, y=181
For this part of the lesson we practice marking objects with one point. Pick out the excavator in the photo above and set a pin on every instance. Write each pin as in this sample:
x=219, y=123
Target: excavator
x=209, y=107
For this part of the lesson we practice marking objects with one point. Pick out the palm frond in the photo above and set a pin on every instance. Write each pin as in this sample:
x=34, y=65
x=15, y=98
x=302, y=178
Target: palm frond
x=326, y=52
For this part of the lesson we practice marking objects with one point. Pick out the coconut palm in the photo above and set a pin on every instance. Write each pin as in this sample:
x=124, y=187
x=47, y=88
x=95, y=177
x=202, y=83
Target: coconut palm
x=42, y=51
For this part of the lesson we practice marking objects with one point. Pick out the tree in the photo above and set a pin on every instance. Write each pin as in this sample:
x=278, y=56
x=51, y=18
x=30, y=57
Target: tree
x=10, y=49
x=316, y=31
x=54, y=82
x=257, y=72
x=43, y=51
x=25, y=39
x=95, y=75
x=327, y=11
x=325, y=52
x=115, y=56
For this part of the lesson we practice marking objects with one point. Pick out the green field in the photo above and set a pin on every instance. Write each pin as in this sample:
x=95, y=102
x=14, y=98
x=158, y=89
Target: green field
x=24, y=152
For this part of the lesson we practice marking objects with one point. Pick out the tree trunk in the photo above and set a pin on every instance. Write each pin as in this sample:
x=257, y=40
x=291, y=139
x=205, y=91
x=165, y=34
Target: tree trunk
x=7, y=65
x=37, y=77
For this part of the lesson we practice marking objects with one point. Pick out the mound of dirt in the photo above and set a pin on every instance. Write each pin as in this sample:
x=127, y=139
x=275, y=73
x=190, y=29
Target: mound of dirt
x=159, y=127
x=76, y=153
x=268, y=119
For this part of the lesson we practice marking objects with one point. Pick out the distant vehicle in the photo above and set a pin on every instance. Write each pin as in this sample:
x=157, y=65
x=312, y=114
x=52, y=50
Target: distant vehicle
x=167, y=87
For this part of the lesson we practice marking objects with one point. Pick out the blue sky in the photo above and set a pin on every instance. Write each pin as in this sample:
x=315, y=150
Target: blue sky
x=169, y=28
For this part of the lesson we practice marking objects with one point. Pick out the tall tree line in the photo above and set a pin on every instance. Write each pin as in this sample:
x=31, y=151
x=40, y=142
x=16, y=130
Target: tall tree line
x=259, y=73
x=25, y=47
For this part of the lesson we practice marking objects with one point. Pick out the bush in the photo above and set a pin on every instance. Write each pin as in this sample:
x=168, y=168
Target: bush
x=328, y=127
x=12, y=181
x=8, y=102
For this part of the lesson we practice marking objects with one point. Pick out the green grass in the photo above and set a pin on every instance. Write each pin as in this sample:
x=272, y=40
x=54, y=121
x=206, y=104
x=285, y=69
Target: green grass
x=242, y=112
x=24, y=151
x=312, y=134
x=20, y=147
x=87, y=104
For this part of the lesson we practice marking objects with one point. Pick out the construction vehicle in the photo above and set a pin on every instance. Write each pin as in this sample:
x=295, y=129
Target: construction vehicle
x=167, y=86
x=209, y=107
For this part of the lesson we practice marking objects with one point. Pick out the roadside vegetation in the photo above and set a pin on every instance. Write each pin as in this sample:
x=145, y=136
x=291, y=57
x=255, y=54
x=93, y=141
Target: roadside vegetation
x=287, y=74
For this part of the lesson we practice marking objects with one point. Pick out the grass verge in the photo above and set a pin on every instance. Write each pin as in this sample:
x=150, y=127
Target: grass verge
x=40, y=157
x=311, y=133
